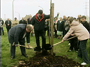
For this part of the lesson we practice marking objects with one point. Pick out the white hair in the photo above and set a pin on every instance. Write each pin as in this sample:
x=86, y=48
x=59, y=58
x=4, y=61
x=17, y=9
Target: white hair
x=29, y=27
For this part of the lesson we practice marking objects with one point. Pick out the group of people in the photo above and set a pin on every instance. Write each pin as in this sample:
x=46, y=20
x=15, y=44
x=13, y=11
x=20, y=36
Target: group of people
x=66, y=26
x=18, y=33
x=78, y=28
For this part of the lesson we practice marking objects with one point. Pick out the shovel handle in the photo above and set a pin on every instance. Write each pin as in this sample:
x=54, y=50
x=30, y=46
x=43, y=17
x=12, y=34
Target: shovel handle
x=20, y=45
x=70, y=38
x=57, y=43
x=65, y=40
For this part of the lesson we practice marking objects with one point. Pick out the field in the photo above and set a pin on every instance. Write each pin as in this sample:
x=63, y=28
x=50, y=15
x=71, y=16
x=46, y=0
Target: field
x=59, y=50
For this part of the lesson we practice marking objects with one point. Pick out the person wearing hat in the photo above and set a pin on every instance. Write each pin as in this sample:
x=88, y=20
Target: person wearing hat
x=38, y=21
x=17, y=35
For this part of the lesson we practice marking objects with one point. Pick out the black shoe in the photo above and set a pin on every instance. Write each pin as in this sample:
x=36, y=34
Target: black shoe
x=13, y=57
x=25, y=56
x=37, y=49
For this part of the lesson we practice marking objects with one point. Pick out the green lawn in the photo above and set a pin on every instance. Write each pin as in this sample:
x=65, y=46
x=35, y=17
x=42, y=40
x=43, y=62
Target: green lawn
x=60, y=50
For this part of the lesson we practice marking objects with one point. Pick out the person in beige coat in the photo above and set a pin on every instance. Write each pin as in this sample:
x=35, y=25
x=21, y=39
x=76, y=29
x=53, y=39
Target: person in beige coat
x=15, y=22
x=82, y=34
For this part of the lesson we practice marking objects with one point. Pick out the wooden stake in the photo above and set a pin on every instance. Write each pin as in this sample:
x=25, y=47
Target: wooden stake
x=52, y=23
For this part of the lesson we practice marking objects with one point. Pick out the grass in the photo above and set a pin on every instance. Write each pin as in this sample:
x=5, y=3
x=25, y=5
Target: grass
x=59, y=50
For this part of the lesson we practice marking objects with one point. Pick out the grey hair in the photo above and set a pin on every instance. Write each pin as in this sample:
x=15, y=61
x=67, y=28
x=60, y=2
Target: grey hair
x=29, y=27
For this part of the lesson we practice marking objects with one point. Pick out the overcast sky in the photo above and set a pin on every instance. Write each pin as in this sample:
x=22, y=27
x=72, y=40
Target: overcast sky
x=27, y=7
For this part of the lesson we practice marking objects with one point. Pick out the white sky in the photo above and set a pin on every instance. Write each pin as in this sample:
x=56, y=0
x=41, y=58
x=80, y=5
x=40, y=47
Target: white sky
x=27, y=7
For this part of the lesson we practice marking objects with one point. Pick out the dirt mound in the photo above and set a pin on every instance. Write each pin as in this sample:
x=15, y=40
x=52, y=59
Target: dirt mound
x=40, y=60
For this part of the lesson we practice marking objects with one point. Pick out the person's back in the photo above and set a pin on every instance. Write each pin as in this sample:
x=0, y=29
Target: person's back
x=79, y=30
x=14, y=29
x=22, y=21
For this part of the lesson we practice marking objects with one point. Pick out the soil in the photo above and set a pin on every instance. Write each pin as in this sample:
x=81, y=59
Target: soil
x=48, y=60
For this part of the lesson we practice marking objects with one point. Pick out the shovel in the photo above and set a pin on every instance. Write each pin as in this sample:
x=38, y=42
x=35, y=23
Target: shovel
x=65, y=40
x=26, y=47
x=49, y=47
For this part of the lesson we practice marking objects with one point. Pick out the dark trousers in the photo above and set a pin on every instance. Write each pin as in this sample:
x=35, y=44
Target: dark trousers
x=13, y=50
x=83, y=52
x=74, y=44
x=2, y=30
x=8, y=28
x=47, y=31
x=55, y=33
x=13, y=47
x=42, y=34
x=64, y=32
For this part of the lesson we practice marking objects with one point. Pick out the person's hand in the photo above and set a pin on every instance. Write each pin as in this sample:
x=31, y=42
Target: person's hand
x=62, y=40
x=72, y=34
x=28, y=46
x=16, y=45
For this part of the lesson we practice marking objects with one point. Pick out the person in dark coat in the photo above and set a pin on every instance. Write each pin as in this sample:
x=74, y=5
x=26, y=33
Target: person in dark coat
x=8, y=24
x=0, y=31
x=47, y=27
x=1, y=25
x=22, y=21
x=63, y=25
x=29, y=20
x=85, y=23
x=38, y=21
x=17, y=35
x=59, y=28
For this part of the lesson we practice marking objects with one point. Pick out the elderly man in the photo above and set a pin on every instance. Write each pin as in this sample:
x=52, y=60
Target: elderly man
x=17, y=35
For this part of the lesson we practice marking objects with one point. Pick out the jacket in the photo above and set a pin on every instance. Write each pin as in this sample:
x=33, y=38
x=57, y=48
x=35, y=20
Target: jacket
x=39, y=24
x=17, y=32
x=86, y=25
x=22, y=22
x=8, y=22
x=79, y=30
